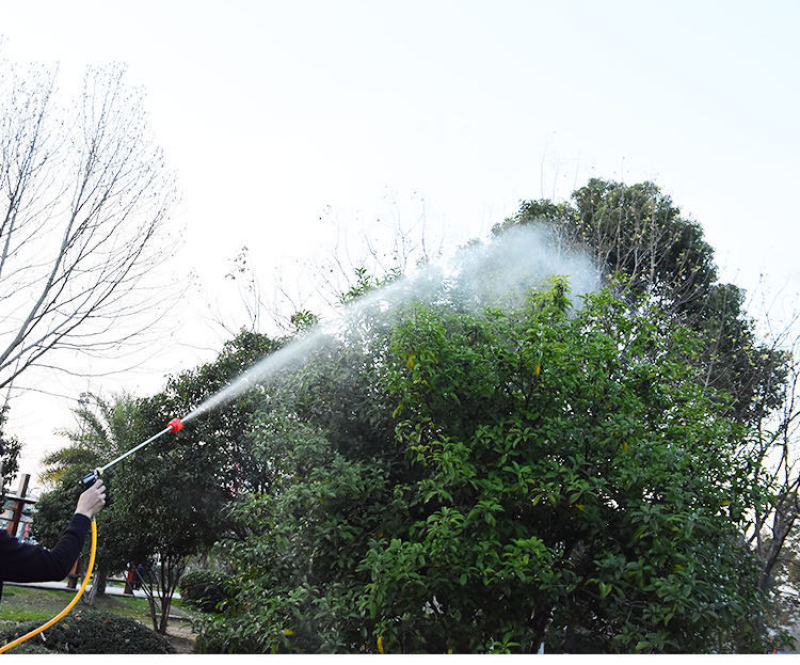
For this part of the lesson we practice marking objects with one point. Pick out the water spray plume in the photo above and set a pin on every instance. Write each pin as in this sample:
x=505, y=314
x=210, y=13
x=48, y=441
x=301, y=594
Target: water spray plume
x=499, y=273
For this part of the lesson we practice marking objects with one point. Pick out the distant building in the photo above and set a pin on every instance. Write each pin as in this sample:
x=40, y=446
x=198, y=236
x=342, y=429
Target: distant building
x=18, y=511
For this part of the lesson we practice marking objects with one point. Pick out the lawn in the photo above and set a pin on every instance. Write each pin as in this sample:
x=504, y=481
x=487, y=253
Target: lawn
x=28, y=604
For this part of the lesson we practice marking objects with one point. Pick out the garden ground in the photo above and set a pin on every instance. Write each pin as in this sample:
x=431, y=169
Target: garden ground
x=24, y=603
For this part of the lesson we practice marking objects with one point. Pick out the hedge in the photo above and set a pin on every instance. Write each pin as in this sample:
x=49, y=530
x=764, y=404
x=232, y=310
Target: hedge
x=88, y=631
x=203, y=589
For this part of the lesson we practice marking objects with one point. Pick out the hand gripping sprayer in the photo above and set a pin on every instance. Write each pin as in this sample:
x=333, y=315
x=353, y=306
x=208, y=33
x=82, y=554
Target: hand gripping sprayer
x=174, y=425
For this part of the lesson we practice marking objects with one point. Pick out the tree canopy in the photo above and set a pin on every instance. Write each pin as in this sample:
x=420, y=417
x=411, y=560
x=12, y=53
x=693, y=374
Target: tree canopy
x=486, y=463
x=636, y=231
x=547, y=477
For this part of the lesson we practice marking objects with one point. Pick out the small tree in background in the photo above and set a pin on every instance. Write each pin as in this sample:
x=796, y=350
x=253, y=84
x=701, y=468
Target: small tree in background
x=637, y=231
x=167, y=499
x=170, y=501
x=105, y=428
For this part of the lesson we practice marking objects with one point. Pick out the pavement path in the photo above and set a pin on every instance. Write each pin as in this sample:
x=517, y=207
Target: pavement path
x=111, y=589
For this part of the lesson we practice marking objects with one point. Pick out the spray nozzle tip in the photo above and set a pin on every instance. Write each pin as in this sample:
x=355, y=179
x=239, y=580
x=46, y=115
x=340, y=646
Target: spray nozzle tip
x=175, y=425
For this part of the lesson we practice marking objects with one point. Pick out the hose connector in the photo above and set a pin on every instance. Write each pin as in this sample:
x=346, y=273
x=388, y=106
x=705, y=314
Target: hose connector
x=175, y=425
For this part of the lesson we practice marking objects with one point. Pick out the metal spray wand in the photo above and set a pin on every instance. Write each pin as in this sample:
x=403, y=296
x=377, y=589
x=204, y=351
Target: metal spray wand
x=174, y=425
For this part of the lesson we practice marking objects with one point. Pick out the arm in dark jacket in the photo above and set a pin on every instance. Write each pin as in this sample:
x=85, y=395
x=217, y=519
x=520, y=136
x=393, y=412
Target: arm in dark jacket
x=20, y=562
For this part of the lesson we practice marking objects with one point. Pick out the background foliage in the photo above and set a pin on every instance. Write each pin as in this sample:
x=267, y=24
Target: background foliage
x=548, y=477
x=475, y=472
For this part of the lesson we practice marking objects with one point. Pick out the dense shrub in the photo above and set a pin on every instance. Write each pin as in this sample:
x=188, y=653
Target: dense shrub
x=569, y=480
x=86, y=631
x=203, y=589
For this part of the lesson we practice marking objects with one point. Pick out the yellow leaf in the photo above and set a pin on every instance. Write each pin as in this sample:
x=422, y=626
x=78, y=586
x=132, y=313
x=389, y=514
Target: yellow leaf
x=537, y=369
x=380, y=644
x=288, y=631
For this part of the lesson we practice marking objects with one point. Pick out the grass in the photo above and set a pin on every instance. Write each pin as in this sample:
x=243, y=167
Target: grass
x=28, y=604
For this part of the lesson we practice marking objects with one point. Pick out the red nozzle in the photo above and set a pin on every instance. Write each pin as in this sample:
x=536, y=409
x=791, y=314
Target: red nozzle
x=175, y=425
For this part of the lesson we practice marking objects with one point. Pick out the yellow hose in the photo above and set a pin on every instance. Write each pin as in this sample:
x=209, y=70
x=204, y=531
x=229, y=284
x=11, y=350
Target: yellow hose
x=66, y=610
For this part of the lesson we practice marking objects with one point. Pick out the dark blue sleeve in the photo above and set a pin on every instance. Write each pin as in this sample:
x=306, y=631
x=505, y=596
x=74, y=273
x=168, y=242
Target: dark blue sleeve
x=21, y=562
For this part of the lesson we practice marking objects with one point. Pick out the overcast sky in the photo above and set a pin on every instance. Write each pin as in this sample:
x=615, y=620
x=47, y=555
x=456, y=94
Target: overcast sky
x=290, y=123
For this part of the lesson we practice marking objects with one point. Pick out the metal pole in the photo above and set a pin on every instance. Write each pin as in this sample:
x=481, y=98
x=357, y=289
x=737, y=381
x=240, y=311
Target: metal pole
x=133, y=450
x=90, y=478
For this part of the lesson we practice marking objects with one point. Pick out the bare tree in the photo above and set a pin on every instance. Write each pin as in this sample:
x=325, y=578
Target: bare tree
x=778, y=434
x=394, y=243
x=84, y=197
x=316, y=285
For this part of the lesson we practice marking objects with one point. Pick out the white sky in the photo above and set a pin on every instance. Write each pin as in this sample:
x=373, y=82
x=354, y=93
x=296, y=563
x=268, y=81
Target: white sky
x=273, y=114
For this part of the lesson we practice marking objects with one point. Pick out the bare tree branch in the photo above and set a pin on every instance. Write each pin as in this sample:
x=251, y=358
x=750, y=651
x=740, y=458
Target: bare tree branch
x=84, y=199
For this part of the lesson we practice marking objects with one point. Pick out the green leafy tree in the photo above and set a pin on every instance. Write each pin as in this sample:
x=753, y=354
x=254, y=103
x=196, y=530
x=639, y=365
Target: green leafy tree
x=295, y=588
x=548, y=477
x=581, y=490
x=323, y=439
x=637, y=231
x=167, y=498
x=219, y=436
x=105, y=428
x=176, y=490
x=169, y=501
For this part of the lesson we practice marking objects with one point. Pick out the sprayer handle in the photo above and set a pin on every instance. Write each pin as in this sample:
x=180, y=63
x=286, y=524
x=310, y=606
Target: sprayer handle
x=90, y=478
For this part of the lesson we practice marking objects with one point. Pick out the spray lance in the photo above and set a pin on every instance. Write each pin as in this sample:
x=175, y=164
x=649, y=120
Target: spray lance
x=174, y=425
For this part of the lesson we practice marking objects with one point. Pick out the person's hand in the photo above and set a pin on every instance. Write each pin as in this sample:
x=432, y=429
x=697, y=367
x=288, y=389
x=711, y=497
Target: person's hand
x=92, y=500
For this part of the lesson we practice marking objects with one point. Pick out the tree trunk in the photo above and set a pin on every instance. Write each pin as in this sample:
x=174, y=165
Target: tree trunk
x=98, y=586
x=166, y=603
x=151, y=601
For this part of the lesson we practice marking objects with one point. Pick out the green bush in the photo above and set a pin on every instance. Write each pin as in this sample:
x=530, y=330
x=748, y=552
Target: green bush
x=86, y=631
x=203, y=589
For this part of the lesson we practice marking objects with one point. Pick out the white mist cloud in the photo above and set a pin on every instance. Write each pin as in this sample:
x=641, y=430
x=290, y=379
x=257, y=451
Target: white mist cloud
x=501, y=271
